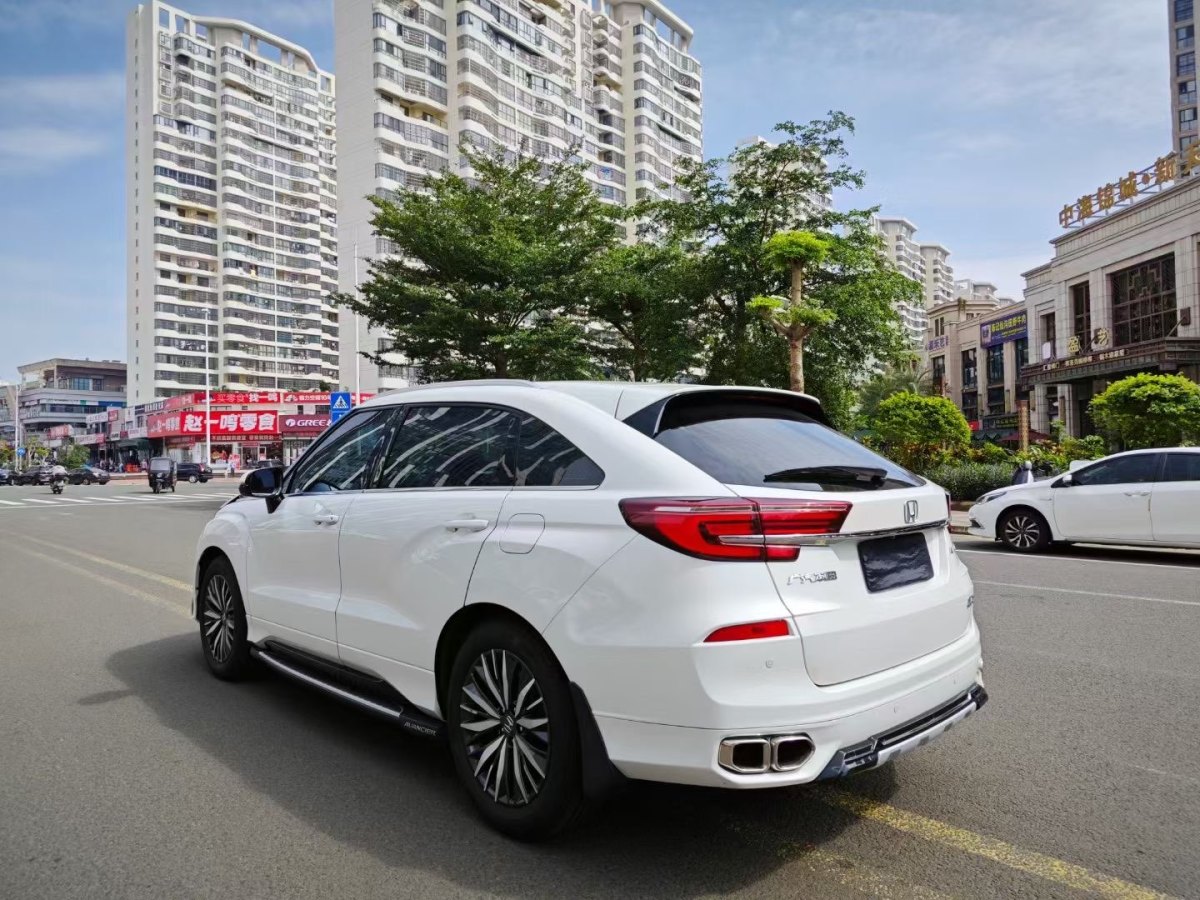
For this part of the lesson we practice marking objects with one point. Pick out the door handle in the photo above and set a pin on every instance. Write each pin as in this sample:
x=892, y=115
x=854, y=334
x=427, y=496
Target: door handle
x=325, y=519
x=467, y=524
x=1137, y=493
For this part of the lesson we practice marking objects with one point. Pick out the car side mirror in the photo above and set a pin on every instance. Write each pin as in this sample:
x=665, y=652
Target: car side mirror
x=1066, y=481
x=264, y=483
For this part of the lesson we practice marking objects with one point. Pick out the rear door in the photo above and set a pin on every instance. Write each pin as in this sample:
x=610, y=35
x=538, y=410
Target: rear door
x=1175, y=500
x=1108, y=500
x=861, y=605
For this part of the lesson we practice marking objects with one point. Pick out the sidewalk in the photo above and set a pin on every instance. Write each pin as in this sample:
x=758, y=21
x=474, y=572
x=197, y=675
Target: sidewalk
x=958, y=521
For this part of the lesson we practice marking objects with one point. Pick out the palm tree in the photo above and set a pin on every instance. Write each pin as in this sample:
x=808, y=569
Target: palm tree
x=892, y=380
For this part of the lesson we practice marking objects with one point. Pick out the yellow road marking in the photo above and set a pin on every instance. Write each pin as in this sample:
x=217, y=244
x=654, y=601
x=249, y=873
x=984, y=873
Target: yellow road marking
x=120, y=567
x=117, y=585
x=1045, y=867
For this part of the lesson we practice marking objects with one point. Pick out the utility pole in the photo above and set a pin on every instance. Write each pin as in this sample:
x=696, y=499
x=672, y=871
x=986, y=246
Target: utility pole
x=357, y=358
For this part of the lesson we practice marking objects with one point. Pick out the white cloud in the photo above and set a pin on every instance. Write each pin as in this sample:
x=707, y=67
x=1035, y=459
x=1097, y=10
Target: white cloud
x=31, y=148
x=91, y=92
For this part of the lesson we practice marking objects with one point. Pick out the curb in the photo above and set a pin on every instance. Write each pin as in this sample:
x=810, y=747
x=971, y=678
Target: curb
x=959, y=529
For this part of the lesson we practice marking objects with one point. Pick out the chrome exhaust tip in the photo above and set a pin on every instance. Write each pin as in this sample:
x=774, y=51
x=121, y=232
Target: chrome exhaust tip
x=790, y=752
x=746, y=756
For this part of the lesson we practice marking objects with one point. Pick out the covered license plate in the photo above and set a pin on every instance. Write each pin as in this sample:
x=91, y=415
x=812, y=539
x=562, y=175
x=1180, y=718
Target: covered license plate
x=893, y=562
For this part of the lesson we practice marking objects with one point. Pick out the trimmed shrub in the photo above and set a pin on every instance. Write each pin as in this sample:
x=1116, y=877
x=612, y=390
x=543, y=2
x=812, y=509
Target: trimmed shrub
x=969, y=481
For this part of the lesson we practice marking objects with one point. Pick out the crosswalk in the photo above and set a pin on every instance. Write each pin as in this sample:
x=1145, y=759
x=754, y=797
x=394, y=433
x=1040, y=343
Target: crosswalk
x=13, y=502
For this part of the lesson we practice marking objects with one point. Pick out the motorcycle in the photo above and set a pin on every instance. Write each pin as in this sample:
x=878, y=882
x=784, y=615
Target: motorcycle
x=57, y=483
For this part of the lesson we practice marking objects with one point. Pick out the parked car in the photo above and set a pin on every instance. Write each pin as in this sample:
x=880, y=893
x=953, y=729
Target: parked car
x=578, y=582
x=6, y=476
x=1141, y=497
x=34, y=475
x=88, y=475
x=193, y=472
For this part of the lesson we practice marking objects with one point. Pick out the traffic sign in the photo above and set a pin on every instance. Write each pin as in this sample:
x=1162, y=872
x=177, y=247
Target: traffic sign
x=339, y=404
x=20, y=451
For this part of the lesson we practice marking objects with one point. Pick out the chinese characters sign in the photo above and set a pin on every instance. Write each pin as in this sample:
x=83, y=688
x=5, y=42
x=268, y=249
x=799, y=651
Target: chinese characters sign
x=938, y=343
x=1000, y=331
x=221, y=424
x=1128, y=188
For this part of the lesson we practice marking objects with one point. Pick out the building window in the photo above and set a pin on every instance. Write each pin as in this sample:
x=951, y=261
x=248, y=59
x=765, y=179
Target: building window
x=1183, y=10
x=1185, y=63
x=995, y=401
x=1052, y=410
x=1187, y=91
x=1185, y=37
x=1186, y=142
x=1020, y=353
x=1144, y=302
x=970, y=369
x=1049, y=337
x=939, y=326
x=1081, y=315
x=1187, y=119
x=970, y=405
x=939, y=374
x=995, y=365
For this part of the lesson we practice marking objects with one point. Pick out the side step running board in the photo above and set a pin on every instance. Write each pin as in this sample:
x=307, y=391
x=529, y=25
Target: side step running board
x=409, y=719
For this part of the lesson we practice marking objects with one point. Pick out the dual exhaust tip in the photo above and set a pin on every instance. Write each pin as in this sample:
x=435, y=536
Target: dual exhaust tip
x=757, y=755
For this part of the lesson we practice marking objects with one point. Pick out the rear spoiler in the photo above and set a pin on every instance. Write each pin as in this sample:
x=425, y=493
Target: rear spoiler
x=700, y=406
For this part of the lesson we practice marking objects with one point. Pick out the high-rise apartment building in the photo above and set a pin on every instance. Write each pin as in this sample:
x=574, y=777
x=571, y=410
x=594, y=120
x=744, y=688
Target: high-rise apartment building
x=901, y=247
x=231, y=209
x=939, y=275
x=1181, y=15
x=611, y=84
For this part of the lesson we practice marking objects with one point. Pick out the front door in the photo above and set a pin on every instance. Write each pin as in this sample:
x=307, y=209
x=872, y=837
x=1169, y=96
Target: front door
x=293, y=571
x=410, y=544
x=1175, y=502
x=1108, y=500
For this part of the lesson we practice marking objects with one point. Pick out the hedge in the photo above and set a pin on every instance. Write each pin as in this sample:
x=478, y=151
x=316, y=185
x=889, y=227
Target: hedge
x=969, y=481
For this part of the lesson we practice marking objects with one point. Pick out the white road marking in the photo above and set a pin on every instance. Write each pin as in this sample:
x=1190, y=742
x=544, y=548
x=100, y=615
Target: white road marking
x=1053, y=590
x=72, y=500
x=9, y=502
x=35, y=500
x=1089, y=559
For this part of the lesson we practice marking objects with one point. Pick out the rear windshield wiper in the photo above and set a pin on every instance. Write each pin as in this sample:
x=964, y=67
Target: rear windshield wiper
x=864, y=475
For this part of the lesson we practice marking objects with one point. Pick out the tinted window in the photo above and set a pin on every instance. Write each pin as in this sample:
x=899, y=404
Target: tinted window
x=748, y=443
x=1182, y=467
x=452, y=446
x=343, y=463
x=1122, y=470
x=547, y=459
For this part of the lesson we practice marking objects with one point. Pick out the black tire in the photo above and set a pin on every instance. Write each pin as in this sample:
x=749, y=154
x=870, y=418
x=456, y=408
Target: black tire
x=154, y=487
x=192, y=479
x=223, y=622
x=1024, y=530
x=507, y=792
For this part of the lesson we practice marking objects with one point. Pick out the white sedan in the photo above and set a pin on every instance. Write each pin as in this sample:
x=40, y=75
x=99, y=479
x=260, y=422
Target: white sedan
x=1143, y=498
x=570, y=582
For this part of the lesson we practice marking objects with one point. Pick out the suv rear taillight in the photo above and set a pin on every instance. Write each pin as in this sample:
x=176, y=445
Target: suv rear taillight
x=734, y=528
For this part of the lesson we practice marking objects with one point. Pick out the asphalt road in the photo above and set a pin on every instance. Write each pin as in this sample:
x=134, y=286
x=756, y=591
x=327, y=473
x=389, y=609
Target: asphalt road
x=127, y=771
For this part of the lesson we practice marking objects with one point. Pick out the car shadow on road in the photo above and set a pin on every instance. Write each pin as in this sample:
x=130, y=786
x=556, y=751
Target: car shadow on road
x=367, y=786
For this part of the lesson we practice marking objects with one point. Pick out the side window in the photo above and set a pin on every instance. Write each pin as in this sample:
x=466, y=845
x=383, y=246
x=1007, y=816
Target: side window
x=343, y=463
x=1123, y=470
x=547, y=459
x=451, y=446
x=1182, y=467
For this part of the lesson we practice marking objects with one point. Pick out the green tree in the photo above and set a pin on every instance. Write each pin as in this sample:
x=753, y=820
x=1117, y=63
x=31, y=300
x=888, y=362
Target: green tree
x=918, y=430
x=489, y=272
x=799, y=253
x=72, y=456
x=892, y=380
x=735, y=206
x=1148, y=410
x=645, y=296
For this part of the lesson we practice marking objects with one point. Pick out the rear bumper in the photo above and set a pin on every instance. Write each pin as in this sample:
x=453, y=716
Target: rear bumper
x=901, y=719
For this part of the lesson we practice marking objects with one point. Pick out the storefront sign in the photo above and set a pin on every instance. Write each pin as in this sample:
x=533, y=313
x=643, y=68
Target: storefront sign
x=938, y=343
x=89, y=439
x=1008, y=420
x=1074, y=361
x=135, y=434
x=303, y=424
x=96, y=418
x=1128, y=188
x=61, y=431
x=220, y=424
x=1012, y=327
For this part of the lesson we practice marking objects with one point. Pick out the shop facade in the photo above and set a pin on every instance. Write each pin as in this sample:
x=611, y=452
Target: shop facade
x=1119, y=297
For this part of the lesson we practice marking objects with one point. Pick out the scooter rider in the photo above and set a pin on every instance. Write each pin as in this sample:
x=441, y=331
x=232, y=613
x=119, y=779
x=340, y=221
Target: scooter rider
x=58, y=477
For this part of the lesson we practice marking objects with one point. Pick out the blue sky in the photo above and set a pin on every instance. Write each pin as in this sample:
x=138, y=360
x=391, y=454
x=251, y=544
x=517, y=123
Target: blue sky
x=977, y=120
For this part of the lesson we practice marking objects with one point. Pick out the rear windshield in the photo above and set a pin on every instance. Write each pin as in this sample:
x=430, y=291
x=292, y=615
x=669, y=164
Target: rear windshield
x=766, y=444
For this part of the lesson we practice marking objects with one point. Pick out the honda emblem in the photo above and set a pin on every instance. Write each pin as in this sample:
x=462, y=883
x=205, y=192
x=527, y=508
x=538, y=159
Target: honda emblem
x=910, y=512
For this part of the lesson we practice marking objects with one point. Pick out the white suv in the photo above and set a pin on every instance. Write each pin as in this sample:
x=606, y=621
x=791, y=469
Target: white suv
x=574, y=582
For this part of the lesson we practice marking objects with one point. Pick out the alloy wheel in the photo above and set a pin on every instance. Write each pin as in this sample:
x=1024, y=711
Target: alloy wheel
x=505, y=728
x=219, y=613
x=1022, y=532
